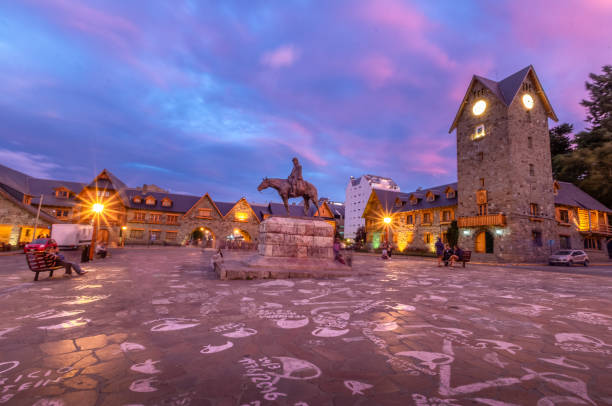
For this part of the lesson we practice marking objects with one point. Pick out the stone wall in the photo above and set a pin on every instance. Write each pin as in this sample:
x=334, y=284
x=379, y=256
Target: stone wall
x=296, y=238
x=14, y=216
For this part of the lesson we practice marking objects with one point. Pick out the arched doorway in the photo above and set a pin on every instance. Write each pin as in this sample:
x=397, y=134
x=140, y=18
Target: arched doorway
x=239, y=235
x=484, y=242
x=203, y=236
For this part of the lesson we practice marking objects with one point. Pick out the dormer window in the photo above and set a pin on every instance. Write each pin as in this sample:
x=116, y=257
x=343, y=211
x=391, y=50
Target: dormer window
x=414, y=200
x=450, y=194
x=137, y=199
x=62, y=193
x=166, y=202
x=150, y=201
x=430, y=197
x=27, y=199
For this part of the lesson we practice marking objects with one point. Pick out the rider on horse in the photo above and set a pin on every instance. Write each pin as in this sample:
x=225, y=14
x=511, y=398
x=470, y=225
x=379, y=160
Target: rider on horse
x=295, y=178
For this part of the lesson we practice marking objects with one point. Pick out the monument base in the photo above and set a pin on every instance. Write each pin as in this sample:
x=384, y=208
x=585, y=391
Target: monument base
x=288, y=248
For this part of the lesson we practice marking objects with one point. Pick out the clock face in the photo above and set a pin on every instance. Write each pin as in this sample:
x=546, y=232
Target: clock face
x=528, y=101
x=479, y=107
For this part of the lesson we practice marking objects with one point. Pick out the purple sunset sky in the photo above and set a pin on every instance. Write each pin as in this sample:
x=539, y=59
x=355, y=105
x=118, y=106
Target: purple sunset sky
x=200, y=97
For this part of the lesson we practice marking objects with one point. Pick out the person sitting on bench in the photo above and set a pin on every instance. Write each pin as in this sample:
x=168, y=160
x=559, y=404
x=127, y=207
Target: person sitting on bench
x=101, y=250
x=59, y=259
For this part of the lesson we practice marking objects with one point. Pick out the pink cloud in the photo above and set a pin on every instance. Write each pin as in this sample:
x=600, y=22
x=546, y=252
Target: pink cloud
x=377, y=70
x=408, y=25
x=281, y=57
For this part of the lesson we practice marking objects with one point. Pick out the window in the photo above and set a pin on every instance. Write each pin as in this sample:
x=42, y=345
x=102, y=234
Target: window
x=480, y=156
x=27, y=199
x=166, y=202
x=529, y=142
x=155, y=218
x=445, y=237
x=565, y=242
x=137, y=199
x=61, y=213
x=410, y=219
x=479, y=132
x=431, y=197
x=103, y=193
x=483, y=210
x=171, y=235
x=482, y=182
x=450, y=194
x=427, y=238
x=137, y=234
x=241, y=216
x=446, y=215
x=172, y=219
x=592, y=243
x=205, y=213
x=534, y=209
x=426, y=218
x=150, y=201
x=531, y=170
x=61, y=193
x=564, y=216
x=155, y=235
x=140, y=216
x=536, y=238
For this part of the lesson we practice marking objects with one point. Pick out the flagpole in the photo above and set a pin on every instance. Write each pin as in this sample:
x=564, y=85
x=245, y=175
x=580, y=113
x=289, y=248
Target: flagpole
x=37, y=215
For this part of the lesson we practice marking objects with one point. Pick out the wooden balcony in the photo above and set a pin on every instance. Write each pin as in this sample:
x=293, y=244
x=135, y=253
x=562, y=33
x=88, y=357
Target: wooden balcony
x=604, y=229
x=487, y=220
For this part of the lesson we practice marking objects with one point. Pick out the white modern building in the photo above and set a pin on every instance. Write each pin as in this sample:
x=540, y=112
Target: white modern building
x=358, y=192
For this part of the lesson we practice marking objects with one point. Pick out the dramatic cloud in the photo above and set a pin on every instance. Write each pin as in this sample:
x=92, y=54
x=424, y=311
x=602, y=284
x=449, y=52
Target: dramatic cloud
x=204, y=96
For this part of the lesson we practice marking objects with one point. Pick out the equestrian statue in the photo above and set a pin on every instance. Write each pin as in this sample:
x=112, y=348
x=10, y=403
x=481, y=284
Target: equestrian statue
x=292, y=187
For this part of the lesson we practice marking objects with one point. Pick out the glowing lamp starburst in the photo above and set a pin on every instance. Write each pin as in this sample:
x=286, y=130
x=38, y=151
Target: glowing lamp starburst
x=98, y=208
x=387, y=220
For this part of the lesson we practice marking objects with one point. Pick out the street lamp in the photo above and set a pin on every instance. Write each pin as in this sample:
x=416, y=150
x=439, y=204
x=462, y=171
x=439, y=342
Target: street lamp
x=387, y=221
x=97, y=209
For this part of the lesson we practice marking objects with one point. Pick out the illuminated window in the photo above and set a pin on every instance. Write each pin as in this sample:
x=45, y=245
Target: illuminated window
x=427, y=238
x=410, y=219
x=103, y=193
x=534, y=209
x=155, y=218
x=172, y=219
x=150, y=201
x=61, y=193
x=27, y=199
x=446, y=215
x=140, y=216
x=483, y=209
x=426, y=218
x=479, y=132
x=241, y=216
x=205, y=213
x=166, y=202
x=137, y=199
x=431, y=197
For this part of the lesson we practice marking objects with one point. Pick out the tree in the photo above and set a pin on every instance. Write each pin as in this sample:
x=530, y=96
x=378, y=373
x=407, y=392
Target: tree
x=589, y=165
x=361, y=236
x=560, y=143
x=452, y=233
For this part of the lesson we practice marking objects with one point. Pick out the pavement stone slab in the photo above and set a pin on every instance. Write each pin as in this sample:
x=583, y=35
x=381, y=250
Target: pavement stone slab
x=157, y=327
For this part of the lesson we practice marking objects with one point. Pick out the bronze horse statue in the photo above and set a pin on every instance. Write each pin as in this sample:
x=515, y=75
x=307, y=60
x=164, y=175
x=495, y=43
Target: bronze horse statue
x=308, y=192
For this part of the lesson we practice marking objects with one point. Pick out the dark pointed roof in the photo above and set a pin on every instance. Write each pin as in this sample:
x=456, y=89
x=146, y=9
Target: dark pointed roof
x=506, y=90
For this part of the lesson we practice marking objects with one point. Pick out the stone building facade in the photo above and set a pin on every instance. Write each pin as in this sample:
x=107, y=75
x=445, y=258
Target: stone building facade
x=18, y=223
x=141, y=215
x=507, y=205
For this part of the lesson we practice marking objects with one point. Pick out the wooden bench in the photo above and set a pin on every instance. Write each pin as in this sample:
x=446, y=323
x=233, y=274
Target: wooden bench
x=467, y=255
x=37, y=262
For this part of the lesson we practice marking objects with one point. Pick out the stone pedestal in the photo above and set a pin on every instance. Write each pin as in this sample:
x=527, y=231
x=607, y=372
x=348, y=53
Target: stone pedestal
x=288, y=248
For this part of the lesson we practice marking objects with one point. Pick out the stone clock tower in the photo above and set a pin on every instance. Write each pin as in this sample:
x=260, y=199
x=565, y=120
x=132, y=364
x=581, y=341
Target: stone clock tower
x=505, y=187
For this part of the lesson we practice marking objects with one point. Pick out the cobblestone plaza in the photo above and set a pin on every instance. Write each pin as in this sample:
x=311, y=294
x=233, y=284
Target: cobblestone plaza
x=156, y=327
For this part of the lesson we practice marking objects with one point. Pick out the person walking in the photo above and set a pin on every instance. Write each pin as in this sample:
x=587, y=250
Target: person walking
x=439, y=250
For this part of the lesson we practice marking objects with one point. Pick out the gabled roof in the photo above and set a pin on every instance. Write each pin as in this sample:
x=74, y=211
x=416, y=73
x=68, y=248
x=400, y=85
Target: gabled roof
x=242, y=199
x=571, y=195
x=506, y=90
x=206, y=196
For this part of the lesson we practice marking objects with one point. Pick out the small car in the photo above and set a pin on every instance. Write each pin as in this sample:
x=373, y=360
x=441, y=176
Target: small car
x=569, y=258
x=40, y=244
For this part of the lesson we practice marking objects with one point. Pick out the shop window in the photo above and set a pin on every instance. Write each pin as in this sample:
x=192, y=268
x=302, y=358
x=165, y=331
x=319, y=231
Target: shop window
x=137, y=234
x=592, y=243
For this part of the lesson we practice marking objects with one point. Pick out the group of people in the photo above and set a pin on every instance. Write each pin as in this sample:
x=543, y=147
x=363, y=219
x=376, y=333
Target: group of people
x=446, y=254
x=387, y=250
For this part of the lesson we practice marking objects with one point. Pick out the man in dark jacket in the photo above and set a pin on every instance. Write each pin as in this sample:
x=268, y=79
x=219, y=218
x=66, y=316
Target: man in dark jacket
x=439, y=250
x=59, y=259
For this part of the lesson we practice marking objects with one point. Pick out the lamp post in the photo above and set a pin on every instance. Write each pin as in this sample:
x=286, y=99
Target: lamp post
x=123, y=230
x=387, y=221
x=97, y=209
